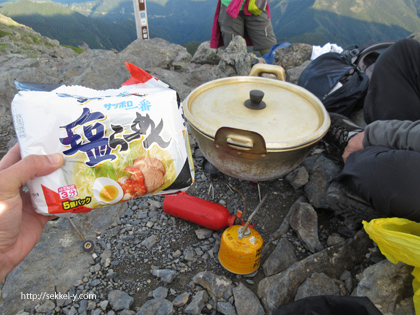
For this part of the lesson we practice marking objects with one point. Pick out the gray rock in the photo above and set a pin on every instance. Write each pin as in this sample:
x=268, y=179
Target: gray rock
x=166, y=275
x=98, y=311
x=346, y=277
x=103, y=305
x=95, y=282
x=203, y=233
x=304, y=221
x=284, y=226
x=197, y=303
x=72, y=311
x=160, y=293
x=91, y=305
x=405, y=307
x=178, y=82
x=226, y=308
x=188, y=254
x=157, y=307
x=246, y=302
x=292, y=56
x=298, y=177
x=83, y=305
x=206, y=55
x=158, y=53
x=324, y=170
x=119, y=300
x=385, y=284
x=48, y=252
x=181, y=299
x=293, y=74
x=317, y=284
x=235, y=60
x=334, y=239
x=106, y=254
x=177, y=253
x=281, y=288
x=215, y=285
x=150, y=241
x=45, y=307
x=280, y=258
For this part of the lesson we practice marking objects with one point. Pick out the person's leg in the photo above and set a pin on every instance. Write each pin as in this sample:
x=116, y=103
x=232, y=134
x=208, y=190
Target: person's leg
x=229, y=26
x=260, y=31
x=394, y=89
x=387, y=179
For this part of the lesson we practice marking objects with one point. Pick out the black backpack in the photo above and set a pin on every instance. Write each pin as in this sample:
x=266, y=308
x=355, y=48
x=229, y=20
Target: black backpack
x=364, y=57
x=341, y=80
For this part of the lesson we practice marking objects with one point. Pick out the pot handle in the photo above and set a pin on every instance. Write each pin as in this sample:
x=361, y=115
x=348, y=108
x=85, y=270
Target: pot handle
x=240, y=137
x=260, y=68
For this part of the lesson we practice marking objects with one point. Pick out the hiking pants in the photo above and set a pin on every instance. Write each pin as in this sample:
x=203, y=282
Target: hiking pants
x=390, y=179
x=258, y=28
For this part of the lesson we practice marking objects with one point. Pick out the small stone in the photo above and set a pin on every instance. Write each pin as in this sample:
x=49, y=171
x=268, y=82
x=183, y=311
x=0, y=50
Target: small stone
x=160, y=293
x=46, y=307
x=166, y=275
x=182, y=299
x=203, y=233
x=149, y=242
x=119, y=300
x=103, y=305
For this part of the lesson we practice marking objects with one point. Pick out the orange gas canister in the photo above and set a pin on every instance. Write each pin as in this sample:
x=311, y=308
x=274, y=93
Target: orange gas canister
x=208, y=214
x=240, y=253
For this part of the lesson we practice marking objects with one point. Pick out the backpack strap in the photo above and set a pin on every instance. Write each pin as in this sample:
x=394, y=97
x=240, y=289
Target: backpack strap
x=367, y=56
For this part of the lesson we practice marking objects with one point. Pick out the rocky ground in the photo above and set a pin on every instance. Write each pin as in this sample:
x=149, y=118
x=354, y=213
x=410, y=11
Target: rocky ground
x=147, y=262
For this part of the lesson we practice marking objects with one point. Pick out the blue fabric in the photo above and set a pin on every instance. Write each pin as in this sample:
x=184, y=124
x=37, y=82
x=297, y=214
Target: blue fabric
x=269, y=57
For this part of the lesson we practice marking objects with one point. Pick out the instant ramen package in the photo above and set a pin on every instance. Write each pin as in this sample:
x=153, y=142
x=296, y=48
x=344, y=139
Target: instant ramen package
x=117, y=144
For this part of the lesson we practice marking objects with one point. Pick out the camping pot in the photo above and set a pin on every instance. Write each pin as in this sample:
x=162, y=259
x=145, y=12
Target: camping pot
x=255, y=128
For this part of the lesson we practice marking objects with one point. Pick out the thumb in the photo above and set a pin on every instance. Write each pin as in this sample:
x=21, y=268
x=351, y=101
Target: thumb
x=12, y=178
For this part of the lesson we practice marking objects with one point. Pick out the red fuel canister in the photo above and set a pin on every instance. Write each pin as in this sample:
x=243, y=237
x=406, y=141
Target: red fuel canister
x=208, y=214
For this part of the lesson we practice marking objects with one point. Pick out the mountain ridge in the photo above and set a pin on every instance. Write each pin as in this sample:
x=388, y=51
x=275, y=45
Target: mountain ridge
x=110, y=24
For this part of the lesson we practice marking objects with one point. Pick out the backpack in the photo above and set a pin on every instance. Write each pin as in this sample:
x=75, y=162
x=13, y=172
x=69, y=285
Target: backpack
x=365, y=57
x=341, y=80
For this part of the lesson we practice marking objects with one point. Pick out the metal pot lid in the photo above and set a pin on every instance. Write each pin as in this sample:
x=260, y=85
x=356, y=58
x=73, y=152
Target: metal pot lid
x=290, y=117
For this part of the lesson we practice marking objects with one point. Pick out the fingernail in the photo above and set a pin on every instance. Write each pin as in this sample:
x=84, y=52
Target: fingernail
x=54, y=158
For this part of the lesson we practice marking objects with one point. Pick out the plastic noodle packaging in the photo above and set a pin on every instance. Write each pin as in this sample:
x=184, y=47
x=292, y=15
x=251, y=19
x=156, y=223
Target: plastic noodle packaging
x=399, y=240
x=117, y=144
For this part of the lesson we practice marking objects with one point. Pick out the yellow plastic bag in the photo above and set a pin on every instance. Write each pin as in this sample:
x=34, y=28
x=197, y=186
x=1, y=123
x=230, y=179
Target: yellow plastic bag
x=256, y=7
x=399, y=240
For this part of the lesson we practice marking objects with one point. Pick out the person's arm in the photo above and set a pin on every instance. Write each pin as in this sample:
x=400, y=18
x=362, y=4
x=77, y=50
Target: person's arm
x=394, y=134
x=20, y=226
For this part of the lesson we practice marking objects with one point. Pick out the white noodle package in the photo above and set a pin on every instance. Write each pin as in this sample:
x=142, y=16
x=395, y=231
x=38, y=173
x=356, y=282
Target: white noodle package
x=117, y=144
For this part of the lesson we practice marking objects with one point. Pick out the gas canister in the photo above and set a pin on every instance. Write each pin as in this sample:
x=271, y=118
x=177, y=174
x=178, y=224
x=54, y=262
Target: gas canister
x=240, y=250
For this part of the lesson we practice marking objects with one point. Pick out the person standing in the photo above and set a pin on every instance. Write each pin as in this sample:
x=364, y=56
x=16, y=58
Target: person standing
x=232, y=18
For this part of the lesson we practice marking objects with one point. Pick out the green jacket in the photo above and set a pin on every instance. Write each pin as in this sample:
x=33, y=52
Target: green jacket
x=227, y=2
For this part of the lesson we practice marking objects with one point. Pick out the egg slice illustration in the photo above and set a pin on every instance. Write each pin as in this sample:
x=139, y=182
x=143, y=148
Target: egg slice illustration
x=107, y=191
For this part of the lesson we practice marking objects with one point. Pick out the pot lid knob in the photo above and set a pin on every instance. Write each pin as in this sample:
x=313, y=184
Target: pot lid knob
x=255, y=100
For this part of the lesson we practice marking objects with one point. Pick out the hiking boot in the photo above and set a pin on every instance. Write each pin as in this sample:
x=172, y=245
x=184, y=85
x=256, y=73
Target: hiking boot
x=342, y=129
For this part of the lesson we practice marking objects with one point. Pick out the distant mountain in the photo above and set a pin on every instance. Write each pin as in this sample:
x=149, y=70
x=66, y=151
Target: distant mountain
x=70, y=27
x=110, y=23
x=344, y=22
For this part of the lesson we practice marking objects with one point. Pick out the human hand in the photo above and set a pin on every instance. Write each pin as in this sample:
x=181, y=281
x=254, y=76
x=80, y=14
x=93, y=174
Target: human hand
x=20, y=226
x=354, y=144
